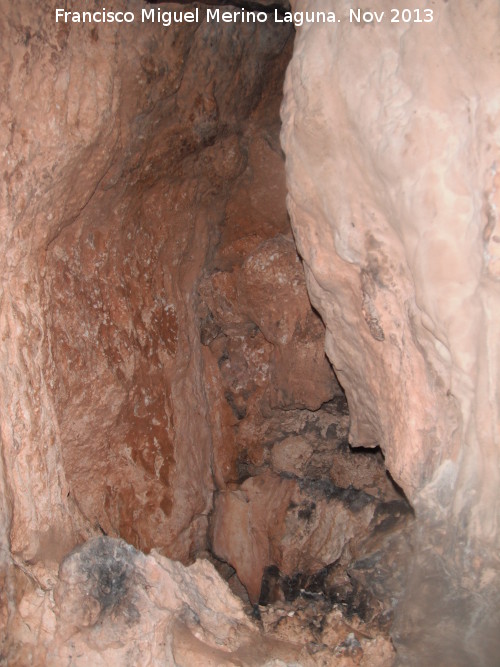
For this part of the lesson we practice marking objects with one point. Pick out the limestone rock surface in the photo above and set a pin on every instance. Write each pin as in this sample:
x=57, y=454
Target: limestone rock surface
x=113, y=605
x=390, y=132
x=163, y=373
x=113, y=182
x=311, y=506
x=122, y=146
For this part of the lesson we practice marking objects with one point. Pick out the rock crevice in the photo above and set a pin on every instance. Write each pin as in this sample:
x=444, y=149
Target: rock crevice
x=165, y=393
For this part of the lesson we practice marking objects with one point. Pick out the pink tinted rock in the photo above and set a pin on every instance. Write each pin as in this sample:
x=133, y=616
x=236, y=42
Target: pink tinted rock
x=113, y=186
x=269, y=520
x=271, y=277
x=243, y=520
x=273, y=294
x=111, y=600
x=384, y=167
x=291, y=455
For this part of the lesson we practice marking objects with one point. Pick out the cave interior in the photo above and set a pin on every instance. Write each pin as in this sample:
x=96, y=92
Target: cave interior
x=175, y=387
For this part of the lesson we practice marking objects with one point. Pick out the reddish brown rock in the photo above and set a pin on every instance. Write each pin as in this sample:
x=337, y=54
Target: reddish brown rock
x=110, y=225
x=270, y=358
x=159, y=343
x=221, y=416
x=114, y=184
x=243, y=526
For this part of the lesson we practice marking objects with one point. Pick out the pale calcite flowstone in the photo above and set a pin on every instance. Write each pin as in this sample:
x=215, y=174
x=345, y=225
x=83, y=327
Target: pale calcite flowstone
x=392, y=143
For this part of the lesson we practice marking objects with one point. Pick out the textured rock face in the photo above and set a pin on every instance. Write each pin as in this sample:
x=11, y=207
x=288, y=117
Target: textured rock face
x=115, y=606
x=266, y=358
x=288, y=494
x=161, y=347
x=295, y=527
x=265, y=373
x=122, y=148
x=161, y=359
x=111, y=599
x=392, y=150
x=310, y=506
x=110, y=195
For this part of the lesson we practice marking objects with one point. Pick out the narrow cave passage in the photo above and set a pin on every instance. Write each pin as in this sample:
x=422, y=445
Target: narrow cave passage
x=194, y=408
x=166, y=407
x=198, y=412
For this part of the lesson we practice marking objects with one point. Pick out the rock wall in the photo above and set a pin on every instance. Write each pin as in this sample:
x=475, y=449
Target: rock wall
x=160, y=347
x=289, y=496
x=122, y=145
x=391, y=137
x=113, y=605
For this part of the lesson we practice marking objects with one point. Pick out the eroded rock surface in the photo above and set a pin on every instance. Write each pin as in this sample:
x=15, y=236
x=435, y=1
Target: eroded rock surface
x=122, y=150
x=278, y=416
x=289, y=493
x=115, y=606
x=309, y=505
x=111, y=195
x=392, y=153
x=164, y=369
x=121, y=283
